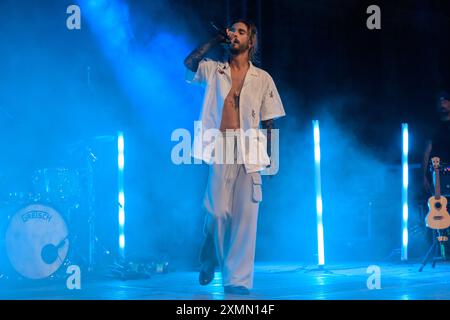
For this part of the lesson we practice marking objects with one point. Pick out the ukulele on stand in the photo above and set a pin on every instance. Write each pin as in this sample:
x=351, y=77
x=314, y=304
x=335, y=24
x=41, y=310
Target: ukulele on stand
x=438, y=217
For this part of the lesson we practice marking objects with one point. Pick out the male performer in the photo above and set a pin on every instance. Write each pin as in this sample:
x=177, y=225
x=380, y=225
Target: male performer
x=439, y=144
x=238, y=97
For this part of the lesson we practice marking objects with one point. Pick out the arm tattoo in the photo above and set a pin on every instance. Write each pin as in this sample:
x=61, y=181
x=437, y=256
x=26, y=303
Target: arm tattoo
x=269, y=125
x=193, y=59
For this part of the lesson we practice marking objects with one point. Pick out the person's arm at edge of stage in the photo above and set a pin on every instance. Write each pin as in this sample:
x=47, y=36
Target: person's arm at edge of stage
x=426, y=159
x=271, y=109
x=268, y=125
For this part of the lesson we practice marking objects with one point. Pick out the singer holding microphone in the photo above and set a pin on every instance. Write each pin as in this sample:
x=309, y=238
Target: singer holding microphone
x=238, y=97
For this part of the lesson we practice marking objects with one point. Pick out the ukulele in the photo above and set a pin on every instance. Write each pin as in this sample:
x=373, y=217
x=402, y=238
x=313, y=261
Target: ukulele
x=437, y=217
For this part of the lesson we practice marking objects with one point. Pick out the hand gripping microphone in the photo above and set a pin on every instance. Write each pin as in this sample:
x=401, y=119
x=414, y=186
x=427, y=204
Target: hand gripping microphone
x=221, y=30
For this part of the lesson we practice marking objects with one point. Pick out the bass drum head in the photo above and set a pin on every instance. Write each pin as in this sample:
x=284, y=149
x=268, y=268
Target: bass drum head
x=36, y=241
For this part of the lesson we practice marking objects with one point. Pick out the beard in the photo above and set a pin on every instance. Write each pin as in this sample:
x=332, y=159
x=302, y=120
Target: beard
x=240, y=48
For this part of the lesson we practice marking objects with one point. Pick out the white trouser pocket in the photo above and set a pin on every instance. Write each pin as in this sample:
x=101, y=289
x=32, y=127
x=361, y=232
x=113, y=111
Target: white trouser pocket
x=257, y=186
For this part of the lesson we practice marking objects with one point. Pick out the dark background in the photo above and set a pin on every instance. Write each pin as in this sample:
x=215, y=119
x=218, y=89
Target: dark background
x=361, y=84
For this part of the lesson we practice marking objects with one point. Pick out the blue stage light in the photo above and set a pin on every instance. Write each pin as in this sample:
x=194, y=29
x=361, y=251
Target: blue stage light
x=121, y=195
x=319, y=205
x=405, y=134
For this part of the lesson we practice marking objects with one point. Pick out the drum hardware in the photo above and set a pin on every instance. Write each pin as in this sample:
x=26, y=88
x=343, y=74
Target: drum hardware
x=50, y=252
x=89, y=158
x=56, y=184
x=53, y=208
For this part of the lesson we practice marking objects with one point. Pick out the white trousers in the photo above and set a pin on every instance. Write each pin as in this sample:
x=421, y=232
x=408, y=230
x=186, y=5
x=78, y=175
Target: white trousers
x=232, y=201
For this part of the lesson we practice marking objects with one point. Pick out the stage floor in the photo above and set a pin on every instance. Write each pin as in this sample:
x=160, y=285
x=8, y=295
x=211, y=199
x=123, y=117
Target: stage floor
x=272, y=282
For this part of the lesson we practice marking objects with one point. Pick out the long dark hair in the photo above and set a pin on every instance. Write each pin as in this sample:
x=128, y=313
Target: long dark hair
x=253, y=38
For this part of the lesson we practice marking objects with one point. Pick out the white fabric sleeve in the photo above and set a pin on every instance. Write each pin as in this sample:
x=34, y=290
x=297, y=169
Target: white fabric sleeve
x=204, y=71
x=272, y=107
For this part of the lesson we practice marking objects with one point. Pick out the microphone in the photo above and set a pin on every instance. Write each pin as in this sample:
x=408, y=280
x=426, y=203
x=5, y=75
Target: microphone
x=221, y=30
x=49, y=253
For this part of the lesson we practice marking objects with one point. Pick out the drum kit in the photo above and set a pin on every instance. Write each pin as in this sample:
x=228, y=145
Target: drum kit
x=41, y=231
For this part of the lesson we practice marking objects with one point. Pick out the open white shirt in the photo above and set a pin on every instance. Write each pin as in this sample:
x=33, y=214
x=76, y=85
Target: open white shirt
x=259, y=101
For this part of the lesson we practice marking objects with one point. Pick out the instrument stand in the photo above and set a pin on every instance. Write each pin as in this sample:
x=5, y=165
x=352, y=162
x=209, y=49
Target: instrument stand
x=90, y=161
x=96, y=249
x=438, y=245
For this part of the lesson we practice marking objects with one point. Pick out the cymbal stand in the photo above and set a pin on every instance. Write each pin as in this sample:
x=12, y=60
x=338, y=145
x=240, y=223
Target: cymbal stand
x=91, y=159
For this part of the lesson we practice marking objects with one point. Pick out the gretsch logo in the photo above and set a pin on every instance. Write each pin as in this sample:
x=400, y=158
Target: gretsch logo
x=36, y=215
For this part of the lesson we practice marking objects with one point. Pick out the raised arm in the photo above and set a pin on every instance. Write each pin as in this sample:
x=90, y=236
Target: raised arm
x=425, y=167
x=193, y=59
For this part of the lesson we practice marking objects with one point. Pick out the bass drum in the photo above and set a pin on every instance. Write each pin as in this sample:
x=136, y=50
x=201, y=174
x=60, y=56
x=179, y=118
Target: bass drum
x=36, y=241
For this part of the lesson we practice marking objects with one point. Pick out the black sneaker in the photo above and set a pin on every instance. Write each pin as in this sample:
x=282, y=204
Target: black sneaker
x=206, y=274
x=236, y=290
